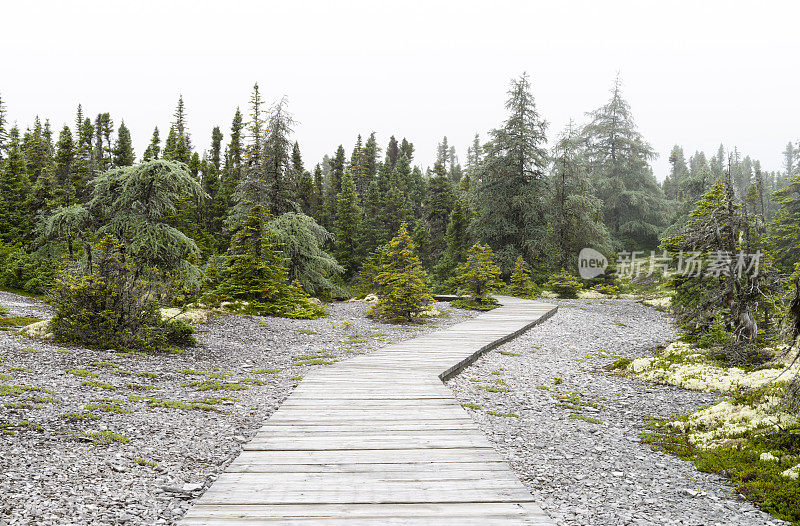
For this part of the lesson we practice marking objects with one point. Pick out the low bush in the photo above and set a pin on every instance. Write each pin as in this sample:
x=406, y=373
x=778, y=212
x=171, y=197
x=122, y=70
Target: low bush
x=106, y=306
x=564, y=284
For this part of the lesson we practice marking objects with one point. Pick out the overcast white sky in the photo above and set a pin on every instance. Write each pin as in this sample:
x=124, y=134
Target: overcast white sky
x=695, y=73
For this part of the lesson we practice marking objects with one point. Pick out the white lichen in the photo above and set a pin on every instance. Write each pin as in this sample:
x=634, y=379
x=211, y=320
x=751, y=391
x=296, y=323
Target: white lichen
x=39, y=330
x=681, y=365
x=793, y=472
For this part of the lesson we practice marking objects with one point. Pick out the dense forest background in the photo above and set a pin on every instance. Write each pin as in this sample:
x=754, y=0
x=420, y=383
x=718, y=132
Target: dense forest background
x=522, y=189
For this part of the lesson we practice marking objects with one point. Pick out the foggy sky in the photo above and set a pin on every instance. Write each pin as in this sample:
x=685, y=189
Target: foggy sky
x=695, y=73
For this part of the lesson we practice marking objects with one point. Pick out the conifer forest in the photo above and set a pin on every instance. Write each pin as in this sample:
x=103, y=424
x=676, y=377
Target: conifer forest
x=164, y=292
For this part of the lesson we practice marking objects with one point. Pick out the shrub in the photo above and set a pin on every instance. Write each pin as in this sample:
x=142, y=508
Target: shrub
x=24, y=272
x=604, y=288
x=106, y=306
x=179, y=332
x=564, y=284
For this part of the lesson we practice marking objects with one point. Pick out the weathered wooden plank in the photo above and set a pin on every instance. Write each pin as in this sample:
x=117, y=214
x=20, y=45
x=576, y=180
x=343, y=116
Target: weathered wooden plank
x=379, y=440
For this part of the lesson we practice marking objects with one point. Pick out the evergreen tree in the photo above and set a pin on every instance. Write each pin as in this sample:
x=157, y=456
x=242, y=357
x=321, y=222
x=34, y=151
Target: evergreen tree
x=392, y=153
x=103, y=130
x=181, y=127
x=511, y=194
x=318, y=203
x=407, y=149
x=370, y=159
x=347, y=243
x=14, y=187
x=123, y=149
x=479, y=276
x=790, y=157
x=232, y=169
x=3, y=133
x=277, y=147
x=458, y=243
x=300, y=239
x=520, y=284
x=215, y=155
x=438, y=207
x=358, y=168
x=784, y=230
x=154, y=148
x=679, y=172
x=255, y=279
x=334, y=186
x=633, y=202
x=576, y=216
x=403, y=292
x=474, y=159
x=40, y=169
x=37, y=151
x=84, y=162
x=442, y=153
x=64, y=161
x=727, y=299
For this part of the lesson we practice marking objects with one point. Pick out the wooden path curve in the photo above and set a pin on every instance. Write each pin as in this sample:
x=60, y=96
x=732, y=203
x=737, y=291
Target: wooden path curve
x=380, y=440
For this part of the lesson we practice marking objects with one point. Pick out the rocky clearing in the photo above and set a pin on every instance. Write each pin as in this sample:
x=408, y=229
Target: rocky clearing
x=177, y=419
x=567, y=426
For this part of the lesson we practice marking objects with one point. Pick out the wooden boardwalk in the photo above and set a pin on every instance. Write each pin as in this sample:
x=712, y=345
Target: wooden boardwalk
x=378, y=439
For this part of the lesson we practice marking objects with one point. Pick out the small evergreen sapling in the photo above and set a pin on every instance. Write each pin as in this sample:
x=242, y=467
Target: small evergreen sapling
x=479, y=276
x=402, y=281
x=520, y=284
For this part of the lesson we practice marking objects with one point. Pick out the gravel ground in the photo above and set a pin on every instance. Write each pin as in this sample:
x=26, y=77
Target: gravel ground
x=52, y=473
x=585, y=473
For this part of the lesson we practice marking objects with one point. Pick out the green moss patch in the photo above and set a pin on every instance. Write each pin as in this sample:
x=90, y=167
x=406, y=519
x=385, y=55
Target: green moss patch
x=81, y=372
x=500, y=413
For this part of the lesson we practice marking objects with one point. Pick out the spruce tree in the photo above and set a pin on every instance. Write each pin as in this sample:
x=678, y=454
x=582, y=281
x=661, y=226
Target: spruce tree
x=14, y=187
x=84, y=163
x=348, y=232
x=633, y=202
x=3, y=133
x=479, y=277
x=154, y=148
x=784, y=230
x=123, y=149
x=575, y=213
x=511, y=215
x=438, y=207
x=403, y=291
x=520, y=284
x=458, y=243
x=334, y=187
x=64, y=165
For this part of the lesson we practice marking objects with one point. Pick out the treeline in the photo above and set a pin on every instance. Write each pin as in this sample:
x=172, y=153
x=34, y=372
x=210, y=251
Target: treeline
x=593, y=188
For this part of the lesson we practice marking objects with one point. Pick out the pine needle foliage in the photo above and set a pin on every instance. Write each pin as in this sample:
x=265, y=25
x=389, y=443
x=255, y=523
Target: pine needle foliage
x=255, y=280
x=479, y=276
x=402, y=281
x=300, y=241
x=520, y=284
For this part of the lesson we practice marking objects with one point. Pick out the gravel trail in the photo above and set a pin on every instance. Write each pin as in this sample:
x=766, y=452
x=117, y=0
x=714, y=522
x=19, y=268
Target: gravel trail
x=185, y=415
x=585, y=473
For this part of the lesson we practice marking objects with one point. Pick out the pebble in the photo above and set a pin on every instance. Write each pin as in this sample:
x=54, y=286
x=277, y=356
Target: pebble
x=584, y=473
x=49, y=478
